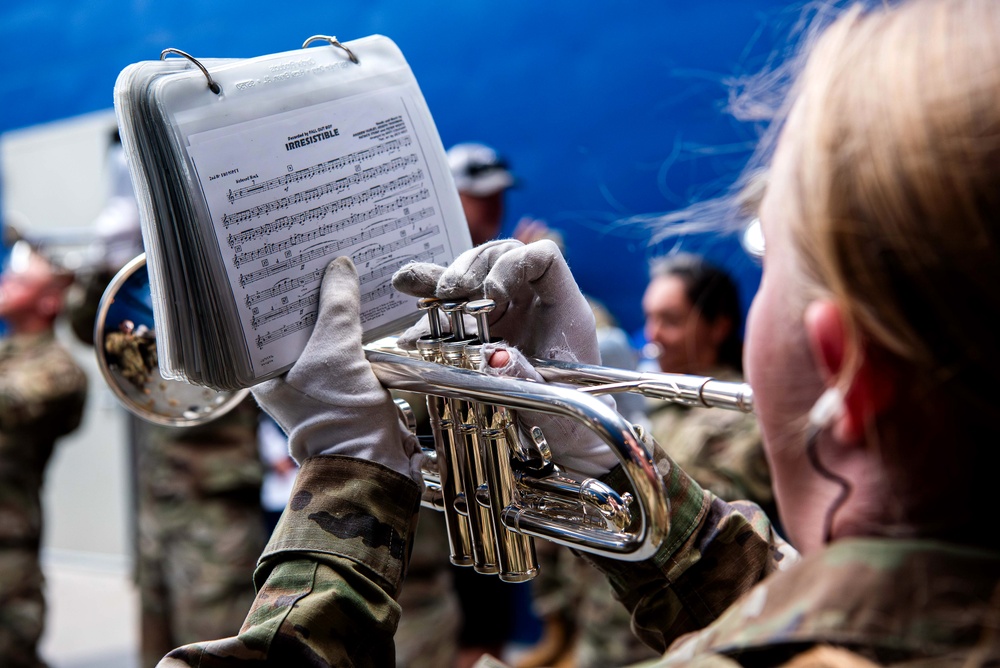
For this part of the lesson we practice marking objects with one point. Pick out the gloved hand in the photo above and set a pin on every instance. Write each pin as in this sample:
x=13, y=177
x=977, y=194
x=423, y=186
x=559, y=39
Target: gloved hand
x=540, y=312
x=330, y=401
x=540, y=309
x=574, y=445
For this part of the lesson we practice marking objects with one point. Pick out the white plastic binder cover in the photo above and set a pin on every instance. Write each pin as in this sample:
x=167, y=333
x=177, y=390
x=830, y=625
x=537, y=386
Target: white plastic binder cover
x=302, y=157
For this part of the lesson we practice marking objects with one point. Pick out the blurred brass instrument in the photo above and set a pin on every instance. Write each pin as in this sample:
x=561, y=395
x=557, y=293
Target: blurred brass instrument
x=489, y=471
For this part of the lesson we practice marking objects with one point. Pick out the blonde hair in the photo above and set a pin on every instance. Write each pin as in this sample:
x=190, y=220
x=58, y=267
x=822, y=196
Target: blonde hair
x=897, y=128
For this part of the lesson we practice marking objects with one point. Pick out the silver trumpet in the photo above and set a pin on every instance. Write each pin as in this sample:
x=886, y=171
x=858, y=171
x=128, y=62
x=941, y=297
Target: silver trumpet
x=489, y=471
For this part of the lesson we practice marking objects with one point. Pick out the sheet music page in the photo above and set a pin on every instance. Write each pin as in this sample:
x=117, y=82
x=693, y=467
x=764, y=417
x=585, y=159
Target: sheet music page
x=290, y=192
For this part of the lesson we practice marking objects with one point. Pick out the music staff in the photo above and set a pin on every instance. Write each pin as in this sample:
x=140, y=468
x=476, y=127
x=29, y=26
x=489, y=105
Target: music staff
x=386, y=249
x=312, y=235
x=322, y=168
x=329, y=249
x=310, y=300
x=285, y=285
x=308, y=320
x=287, y=222
x=392, y=267
x=375, y=294
x=374, y=192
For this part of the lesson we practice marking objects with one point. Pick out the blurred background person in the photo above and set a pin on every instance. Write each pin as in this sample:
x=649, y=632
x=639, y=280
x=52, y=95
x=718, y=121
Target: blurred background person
x=200, y=527
x=694, y=320
x=42, y=396
x=117, y=239
x=482, y=177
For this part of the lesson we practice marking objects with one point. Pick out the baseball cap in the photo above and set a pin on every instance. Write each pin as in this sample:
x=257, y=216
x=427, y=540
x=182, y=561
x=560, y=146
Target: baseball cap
x=478, y=169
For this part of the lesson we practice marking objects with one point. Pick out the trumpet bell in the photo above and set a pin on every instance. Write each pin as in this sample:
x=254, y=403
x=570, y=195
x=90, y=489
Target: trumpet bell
x=125, y=344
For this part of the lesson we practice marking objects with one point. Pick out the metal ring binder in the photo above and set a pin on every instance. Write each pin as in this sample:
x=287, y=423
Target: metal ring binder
x=334, y=42
x=212, y=85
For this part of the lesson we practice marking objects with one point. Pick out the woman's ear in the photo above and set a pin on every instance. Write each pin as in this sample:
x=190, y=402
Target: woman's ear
x=867, y=389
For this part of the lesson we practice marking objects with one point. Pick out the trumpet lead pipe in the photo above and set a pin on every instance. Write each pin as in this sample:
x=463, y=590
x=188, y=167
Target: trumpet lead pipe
x=679, y=388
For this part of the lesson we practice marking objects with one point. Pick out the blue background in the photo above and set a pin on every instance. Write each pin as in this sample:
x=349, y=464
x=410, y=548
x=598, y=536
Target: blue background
x=605, y=111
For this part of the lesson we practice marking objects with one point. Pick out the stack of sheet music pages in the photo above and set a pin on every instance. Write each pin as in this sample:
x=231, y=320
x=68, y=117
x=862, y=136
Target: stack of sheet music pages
x=252, y=174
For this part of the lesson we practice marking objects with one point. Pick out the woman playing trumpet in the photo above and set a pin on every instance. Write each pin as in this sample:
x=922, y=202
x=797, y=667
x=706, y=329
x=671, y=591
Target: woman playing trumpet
x=868, y=348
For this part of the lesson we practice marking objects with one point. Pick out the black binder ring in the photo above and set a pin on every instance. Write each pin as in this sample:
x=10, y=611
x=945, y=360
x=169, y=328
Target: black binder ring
x=212, y=85
x=334, y=42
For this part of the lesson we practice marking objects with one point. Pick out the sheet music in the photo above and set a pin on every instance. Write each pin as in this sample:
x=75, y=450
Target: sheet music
x=289, y=192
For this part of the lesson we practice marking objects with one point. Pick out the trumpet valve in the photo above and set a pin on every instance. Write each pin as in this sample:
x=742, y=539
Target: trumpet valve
x=480, y=309
x=432, y=306
x=454, y=312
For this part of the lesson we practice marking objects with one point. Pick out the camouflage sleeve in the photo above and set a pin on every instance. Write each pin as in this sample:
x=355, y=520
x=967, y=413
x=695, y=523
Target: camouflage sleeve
x=722, y=450
x=713, y=553
x=328, y=580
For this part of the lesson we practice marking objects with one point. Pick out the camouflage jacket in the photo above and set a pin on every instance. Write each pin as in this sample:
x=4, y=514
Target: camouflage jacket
x=192, y=463
x=42, y=394
x=328, y=579
x=722, y=590
x=720, y=449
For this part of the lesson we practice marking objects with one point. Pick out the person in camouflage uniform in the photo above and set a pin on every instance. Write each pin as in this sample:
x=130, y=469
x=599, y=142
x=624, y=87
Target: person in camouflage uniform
x=200, y=528
x=871, y=355
x=42, y=395
x=693, y=318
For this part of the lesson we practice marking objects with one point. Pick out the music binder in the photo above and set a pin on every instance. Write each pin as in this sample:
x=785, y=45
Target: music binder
x=252, y=174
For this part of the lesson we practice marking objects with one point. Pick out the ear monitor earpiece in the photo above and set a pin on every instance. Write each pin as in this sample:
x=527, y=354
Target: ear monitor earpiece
x=829, y=405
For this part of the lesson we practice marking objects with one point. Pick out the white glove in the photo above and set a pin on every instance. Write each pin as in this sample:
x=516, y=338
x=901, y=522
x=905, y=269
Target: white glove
x=574, y=445
x=540, y=309
x=330, y=402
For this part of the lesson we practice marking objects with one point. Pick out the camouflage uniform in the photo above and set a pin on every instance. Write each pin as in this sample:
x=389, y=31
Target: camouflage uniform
x=42, y=394
x=720, y=449
x=200, y=528
x=328, y=579
x=431, y=615
x=723, y=452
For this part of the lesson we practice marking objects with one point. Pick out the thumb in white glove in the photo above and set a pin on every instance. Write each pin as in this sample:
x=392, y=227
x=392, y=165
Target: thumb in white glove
x=330, y=401
x=571, y=442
